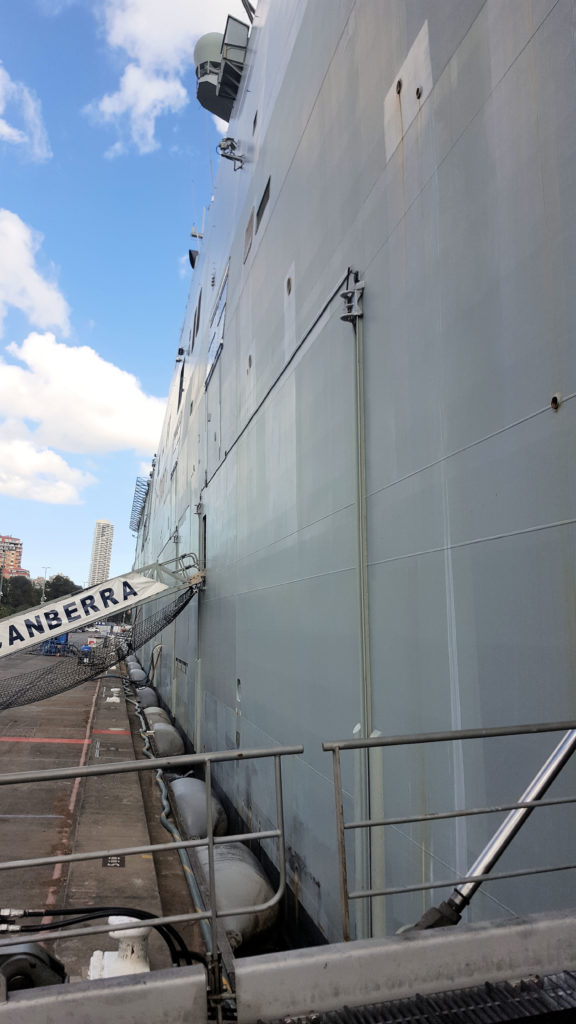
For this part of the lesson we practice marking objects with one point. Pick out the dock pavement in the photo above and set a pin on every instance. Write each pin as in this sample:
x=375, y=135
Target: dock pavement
x=81, y=726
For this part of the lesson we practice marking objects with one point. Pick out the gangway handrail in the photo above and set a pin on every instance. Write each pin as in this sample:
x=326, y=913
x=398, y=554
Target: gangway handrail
x=449, y=912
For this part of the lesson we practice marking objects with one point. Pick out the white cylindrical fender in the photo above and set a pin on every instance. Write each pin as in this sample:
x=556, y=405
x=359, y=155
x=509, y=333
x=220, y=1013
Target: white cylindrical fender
x=190, y=798
x=167, y=739
x=136, y=675
x=154, y=715
x=240, y=882
x=147, y=697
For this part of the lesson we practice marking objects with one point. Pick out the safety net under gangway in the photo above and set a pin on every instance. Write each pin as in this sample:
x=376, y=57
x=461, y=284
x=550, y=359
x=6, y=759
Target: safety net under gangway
x=43, y=650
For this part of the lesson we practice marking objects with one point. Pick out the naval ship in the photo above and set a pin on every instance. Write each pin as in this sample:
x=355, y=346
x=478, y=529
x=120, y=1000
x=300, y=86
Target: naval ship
x=369, y=446
x=369, y=439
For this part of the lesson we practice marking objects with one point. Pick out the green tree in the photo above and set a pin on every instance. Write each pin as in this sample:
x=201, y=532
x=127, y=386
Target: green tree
x=18, y=594
x=60, y=586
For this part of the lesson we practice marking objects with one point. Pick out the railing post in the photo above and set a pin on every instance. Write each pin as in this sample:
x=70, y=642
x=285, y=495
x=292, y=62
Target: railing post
x=339, y=810
x=215, y=981
x=280, y=822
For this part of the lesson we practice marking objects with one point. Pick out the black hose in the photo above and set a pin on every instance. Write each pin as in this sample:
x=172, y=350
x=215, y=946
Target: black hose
x=174, y=955
x=178, y=950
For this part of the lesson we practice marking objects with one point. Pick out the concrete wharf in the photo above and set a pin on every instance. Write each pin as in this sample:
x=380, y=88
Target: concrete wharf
x=86, y=725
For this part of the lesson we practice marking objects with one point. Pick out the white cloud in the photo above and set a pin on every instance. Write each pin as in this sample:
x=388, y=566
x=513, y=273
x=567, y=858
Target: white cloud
x=118, y=149
x=158, y=38
x=37, y=474
x=58, y=398
x=221, y=125
x=21, y=285
x=80, y=402
x=163, y=33
x=143, y=96
x=25, y=107
x=10, y=134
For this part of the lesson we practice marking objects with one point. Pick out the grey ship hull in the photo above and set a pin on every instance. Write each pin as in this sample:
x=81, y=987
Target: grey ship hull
x=457, y=209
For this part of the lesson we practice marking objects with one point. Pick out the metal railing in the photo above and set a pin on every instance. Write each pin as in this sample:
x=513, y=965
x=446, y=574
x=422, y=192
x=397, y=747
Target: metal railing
x=481, y=869
x=176, y=763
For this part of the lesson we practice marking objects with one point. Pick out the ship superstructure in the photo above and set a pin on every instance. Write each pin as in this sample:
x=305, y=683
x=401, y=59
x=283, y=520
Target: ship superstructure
x=370, y=435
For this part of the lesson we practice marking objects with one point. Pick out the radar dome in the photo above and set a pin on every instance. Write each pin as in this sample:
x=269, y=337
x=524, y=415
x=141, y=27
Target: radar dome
x=208, y=48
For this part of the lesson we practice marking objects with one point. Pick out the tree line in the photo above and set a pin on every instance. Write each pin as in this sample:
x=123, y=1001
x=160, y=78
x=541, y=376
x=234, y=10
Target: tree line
x=19, y=593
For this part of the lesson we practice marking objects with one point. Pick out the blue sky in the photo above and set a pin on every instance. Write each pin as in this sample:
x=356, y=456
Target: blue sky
x=105, y=166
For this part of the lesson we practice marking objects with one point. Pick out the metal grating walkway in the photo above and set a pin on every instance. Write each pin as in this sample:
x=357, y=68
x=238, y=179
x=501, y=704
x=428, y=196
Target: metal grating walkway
x=538, y=997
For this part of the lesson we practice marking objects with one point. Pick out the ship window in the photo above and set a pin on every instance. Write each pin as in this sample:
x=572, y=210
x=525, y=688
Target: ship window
x=199, y=307
x=263, y=204
x=196, y=325
x=207, y=67
x=213, y=364
x=249, y=235
x=181, y=385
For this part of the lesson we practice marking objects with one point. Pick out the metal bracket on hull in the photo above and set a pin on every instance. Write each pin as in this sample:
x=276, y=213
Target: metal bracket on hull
x=353, y=300
x=228, y=148
x=178, y=569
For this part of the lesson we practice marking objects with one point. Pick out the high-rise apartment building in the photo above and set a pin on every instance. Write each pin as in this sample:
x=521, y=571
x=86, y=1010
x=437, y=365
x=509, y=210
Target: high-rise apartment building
x=11, y=557
x=101, y=552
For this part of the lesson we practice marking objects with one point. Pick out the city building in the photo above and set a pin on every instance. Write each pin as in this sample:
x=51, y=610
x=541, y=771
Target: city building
x=101, y=552
x=11, y=557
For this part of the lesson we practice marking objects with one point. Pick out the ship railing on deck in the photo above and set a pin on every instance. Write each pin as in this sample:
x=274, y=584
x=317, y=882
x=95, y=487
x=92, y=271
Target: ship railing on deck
x=176, y=763
x=471, y=880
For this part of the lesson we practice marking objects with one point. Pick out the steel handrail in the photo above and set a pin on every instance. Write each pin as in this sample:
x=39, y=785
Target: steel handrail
x=462, y=813
x=408, y=739
x=480, y=871
x=132, y=851
x=120, y=767
x=153, y=764
x=425, y=886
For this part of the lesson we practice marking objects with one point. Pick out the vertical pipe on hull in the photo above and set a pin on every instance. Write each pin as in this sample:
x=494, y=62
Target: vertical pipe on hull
x=198, y=701
x=362, y=539
x=175, y=538
x=198, y=693
x=353, y=314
